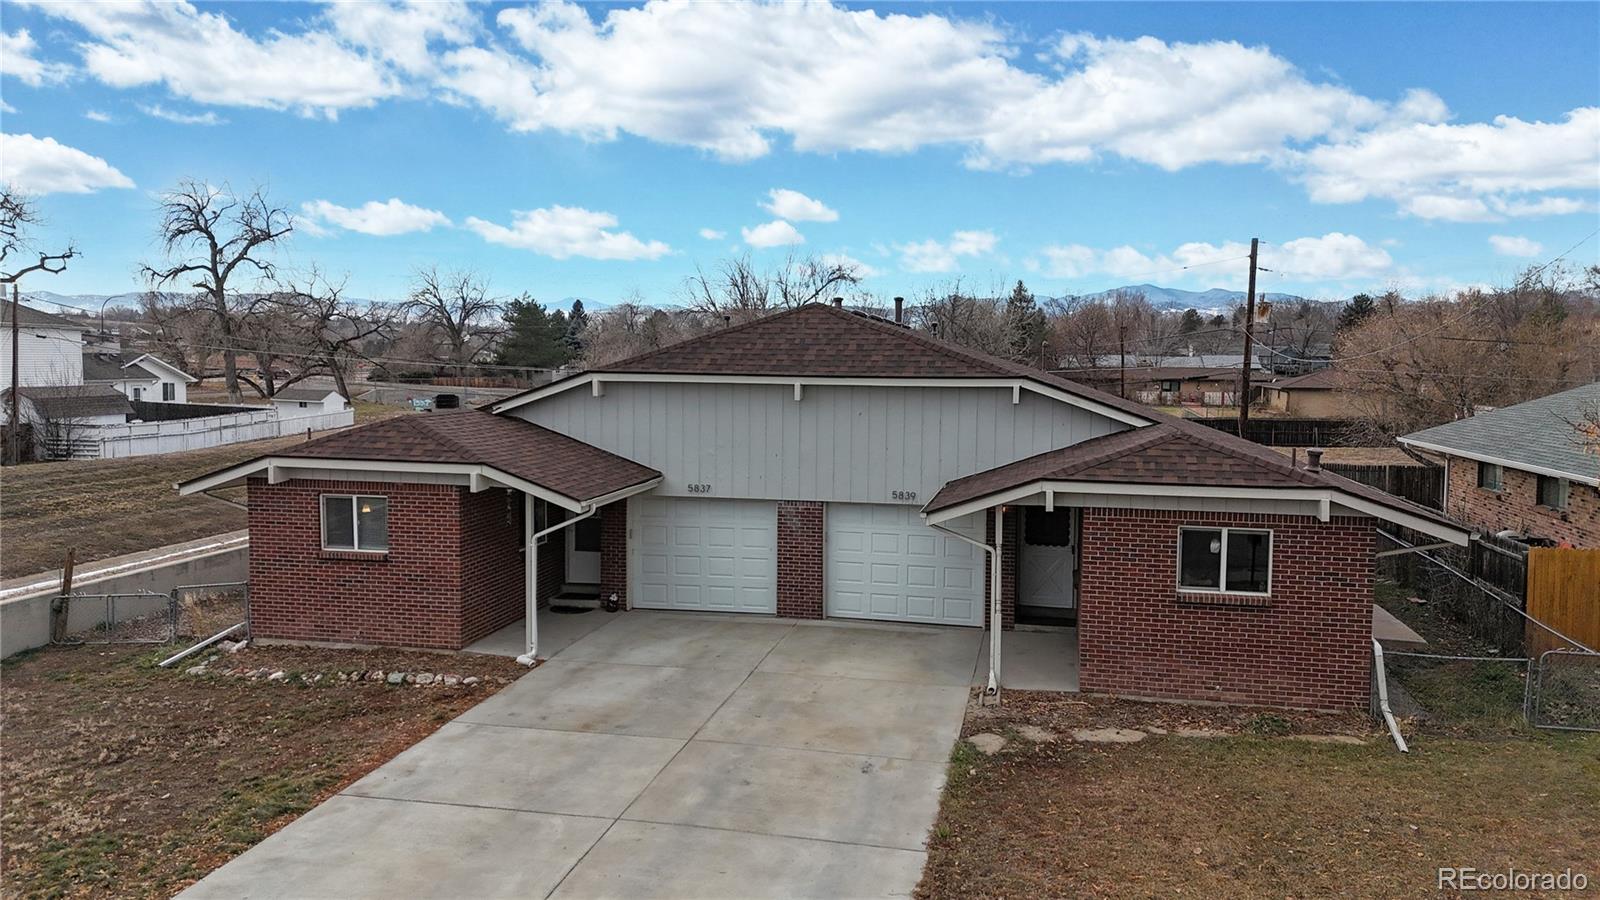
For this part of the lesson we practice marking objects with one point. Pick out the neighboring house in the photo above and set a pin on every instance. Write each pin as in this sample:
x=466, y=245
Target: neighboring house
x=1164, y=385
x=305, y=401
x=51, y=348
x=819, y=463
x=65, y=417
x=1524, y=468
x=1312, y=396
x=138, y=376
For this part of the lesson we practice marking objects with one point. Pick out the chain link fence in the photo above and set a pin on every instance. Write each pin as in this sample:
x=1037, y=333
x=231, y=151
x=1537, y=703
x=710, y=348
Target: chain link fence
x=189, y=613
x=1565, y=694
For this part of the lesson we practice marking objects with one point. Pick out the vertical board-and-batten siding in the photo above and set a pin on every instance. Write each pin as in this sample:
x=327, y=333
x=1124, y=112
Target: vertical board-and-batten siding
x=848, y=444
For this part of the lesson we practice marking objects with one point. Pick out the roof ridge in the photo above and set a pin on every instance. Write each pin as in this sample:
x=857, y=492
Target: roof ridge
x=1247, y=450
x=1151, y=436
x=677, y=345
x=423, y=424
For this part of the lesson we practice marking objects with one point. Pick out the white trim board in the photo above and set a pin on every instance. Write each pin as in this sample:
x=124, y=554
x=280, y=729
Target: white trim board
x=281, y=468
x=1325, y=498
x=1498, y=461
x=598, y=380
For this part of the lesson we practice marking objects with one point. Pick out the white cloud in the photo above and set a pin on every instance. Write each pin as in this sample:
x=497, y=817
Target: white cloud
x=564, y=231
x=157, y=111
x=862, y=270
x=1470, y=172
x=402, y=32
x=944, y=256
x=797, y=207
x=202, y=57
x=711, y=234
x=95, y=115
x=389, y=217
x=776, y=233
x=43, y=166
x=17, y=60
x=1513, y=245
x=6, y=107
x=1332, y=257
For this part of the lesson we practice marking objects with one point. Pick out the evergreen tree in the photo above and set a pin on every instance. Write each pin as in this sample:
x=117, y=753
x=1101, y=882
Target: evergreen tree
x=1191, y=322
x=577, y=321
x=534, y=336
x=1026, y=324
x=1357, y=310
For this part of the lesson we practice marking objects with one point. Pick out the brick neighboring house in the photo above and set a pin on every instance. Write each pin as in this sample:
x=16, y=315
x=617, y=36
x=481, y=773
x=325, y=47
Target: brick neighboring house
x=1523, y=468
x=820, y=463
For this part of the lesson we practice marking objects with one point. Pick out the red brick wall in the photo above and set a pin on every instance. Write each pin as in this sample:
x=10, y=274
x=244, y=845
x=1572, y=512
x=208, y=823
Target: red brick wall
x=452, y=573
x=552, y=559
x=614, y=551
x=1516, y=505
x=800, y=559
x=1308, y=647
x=1008, y=569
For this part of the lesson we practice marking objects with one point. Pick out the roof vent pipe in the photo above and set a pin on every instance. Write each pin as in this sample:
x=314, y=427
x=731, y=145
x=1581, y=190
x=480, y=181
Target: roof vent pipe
x=1313, y=459
x=899, y=310
x=934, y=327
x=838, y=302
x=726, y=320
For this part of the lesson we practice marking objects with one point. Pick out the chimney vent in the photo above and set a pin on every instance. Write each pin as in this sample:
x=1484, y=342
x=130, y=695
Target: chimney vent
x=934, y=326
x=899, y=310
x=838, y=302
x=726, y=320
x=1313, y=459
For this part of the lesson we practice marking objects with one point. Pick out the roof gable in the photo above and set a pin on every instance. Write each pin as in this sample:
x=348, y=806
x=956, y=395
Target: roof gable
x=1536, y=436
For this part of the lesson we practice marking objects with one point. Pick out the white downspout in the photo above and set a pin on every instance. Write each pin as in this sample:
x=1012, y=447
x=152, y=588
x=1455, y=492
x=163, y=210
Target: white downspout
x=530, y=576
x=1381, y=677
x=993, y=687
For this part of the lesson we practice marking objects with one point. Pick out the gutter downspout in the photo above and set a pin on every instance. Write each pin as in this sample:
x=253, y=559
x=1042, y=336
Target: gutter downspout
x=1383, y=696
x=530, y=618
x=992, y=689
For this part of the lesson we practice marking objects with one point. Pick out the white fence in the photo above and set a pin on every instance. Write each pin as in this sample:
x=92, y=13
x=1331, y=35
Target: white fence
x=172, y=436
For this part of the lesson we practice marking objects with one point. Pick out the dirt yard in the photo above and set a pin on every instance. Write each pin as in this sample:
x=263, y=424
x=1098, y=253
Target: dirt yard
x=1251, y=812
x=110, y=507
x=123, y=779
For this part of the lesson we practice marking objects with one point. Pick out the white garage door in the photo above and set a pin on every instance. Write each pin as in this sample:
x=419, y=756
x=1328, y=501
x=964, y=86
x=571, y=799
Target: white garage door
x=693, y=553
x=883, y=563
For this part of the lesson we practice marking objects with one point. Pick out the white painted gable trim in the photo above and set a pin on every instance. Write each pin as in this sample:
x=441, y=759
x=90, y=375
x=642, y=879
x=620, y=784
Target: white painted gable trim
x=150, y=364
x=598, y=380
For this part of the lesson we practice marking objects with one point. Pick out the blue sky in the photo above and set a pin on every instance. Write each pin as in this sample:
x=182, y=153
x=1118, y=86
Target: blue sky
x=585, y=151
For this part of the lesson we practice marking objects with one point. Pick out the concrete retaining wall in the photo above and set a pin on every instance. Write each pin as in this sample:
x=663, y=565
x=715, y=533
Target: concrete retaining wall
x=25, y=615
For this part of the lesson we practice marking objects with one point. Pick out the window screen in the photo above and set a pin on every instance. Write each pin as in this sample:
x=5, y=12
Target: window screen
x=338, y=523
x=1200, y=558
x=358, y=522
x=1248, y=556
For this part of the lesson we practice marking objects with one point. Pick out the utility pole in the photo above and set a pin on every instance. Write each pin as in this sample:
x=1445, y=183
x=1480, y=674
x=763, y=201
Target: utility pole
x=1249, y=342
x=13, y=424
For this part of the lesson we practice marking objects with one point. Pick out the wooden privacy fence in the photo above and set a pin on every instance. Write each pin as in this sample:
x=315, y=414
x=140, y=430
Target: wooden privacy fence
x=1564, y=593
x=1289, y=432
x=1419, y=484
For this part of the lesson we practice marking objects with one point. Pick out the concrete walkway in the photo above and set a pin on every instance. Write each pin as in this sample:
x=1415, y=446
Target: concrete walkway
x=656, y=755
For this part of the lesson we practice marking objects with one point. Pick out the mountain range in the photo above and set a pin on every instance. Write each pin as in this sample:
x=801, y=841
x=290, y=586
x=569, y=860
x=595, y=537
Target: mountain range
x=1215, y=300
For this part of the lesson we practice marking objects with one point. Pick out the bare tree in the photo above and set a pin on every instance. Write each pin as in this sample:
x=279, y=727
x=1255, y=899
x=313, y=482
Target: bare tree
x=958, y=317
x=1129, y=309
x=1081, y=330
x=18, y=214
x=207, y=235
x=456, y=309
x=333, y=327
x=740, y=291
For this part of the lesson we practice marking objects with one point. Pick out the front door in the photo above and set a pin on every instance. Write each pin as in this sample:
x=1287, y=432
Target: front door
x=583, y=552
x=1047, y=559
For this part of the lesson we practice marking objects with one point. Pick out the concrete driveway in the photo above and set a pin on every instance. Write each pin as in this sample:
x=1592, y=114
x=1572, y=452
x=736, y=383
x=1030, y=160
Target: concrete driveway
x=660, y=755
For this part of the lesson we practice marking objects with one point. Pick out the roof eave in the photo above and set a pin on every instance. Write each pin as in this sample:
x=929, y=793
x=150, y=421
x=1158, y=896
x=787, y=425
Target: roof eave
x=1524, y=466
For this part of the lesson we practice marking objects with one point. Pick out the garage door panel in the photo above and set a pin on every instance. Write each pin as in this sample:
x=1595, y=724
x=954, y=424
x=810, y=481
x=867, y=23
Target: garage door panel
x=696, y=553
x=883, y=563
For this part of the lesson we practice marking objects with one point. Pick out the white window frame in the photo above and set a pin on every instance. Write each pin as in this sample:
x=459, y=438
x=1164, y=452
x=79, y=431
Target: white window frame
x=169, y=392
x=355, y=522
x=1222, y=561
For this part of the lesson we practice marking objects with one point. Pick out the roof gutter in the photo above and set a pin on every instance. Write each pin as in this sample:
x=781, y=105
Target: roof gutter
x=1501, y=461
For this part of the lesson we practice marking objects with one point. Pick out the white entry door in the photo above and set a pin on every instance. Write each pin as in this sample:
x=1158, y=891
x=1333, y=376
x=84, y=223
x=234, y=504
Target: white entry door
x=883, y=563
x=693, y=553
x=583, y=551
x=1047, y=558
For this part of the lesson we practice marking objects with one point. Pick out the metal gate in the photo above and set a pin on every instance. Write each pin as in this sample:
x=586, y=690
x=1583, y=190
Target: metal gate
x=1564, y=691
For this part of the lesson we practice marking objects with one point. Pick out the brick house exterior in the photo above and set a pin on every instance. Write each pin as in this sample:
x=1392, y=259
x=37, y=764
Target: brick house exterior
x=1515, y=505
x=800, y=559
x=1305, y=646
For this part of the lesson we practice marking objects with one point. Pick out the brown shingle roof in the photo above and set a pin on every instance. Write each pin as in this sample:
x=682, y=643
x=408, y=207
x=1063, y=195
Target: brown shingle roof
x=821, y=341
x=1320, y=380
x=1170, y=453
x=521, y=449
x=75, y=401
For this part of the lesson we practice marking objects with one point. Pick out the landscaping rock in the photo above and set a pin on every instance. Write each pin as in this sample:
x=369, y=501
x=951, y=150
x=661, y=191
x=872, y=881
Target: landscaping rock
x=279, y=675
x=396, y=677
x=1036, y=734
x=470, y=680
x=237, y=646
x=425, y=678
x=376, y=675
x=987, y=744
x=1328, y=739
x=1200, y=733
x=195, y=670
x=1108, y=735
x=450, y=680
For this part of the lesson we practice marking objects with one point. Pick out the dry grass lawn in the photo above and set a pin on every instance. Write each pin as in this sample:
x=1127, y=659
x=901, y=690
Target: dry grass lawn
x=121, y=779
x=1252, y=815
x=110, y=507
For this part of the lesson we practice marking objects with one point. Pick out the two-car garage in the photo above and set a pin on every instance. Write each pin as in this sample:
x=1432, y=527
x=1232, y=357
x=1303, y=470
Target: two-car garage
x=879, y=561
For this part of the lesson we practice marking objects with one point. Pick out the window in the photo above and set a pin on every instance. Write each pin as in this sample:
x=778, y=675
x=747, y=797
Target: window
x=137, y=393
x=355, y=522
x=1047, y=529
x=1490, y=476
x=1225, y=560
x=301, y=404
x=1553, y=492
x=1170, y=386
x=169, y=393
x=545, y=515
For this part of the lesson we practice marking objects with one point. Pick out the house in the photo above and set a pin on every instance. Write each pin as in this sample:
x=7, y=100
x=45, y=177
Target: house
x=1310, y=396
x=820, y=463
x=138, y=376
x=1524, y=468
x=50, y=348
x=1164, y=385
x=309, y=400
